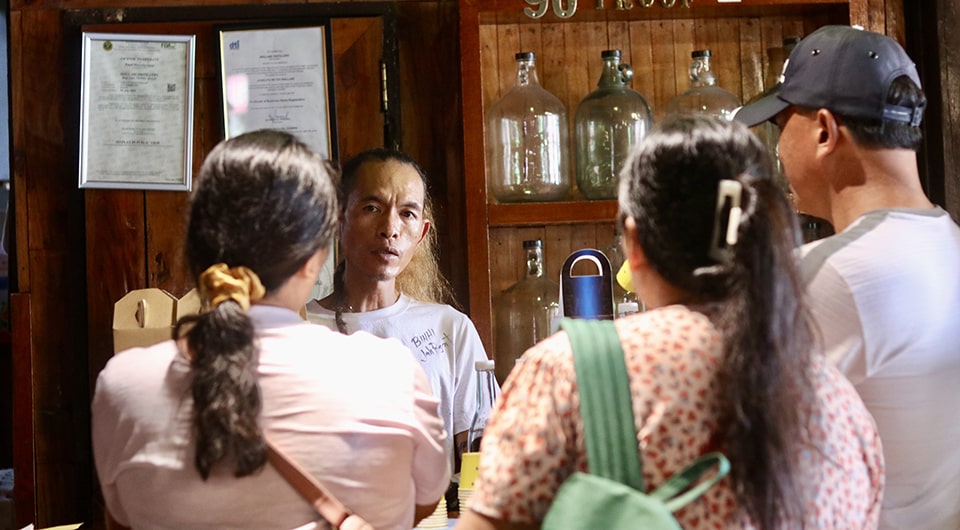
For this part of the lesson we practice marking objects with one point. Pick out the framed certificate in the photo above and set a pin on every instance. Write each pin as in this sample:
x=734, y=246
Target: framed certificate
x=279, y=78
x=136, y=125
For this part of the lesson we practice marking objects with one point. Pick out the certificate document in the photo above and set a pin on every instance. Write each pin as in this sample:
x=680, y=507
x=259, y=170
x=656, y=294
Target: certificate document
x=277, y=78
x=137, y=111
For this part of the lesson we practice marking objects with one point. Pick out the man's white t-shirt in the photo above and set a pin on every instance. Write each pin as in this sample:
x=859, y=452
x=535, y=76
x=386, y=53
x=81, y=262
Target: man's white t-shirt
x=885, y=293
x=442, y=339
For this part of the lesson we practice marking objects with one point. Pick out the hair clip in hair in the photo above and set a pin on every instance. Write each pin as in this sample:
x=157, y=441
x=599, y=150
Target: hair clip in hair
x=726, y=219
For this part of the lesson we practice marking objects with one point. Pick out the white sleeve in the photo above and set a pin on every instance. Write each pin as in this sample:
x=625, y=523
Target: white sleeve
x=838, y=329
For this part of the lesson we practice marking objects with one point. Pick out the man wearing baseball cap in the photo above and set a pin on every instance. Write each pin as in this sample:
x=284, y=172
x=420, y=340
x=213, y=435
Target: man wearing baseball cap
x=885, y=290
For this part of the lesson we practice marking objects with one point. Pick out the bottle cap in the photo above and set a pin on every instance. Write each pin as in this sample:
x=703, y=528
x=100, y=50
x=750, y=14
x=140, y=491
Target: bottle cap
x=484, y=366
x=533, y=243
x=610, y=53
x=525, y=56
x=627, y=308
x=700, y=53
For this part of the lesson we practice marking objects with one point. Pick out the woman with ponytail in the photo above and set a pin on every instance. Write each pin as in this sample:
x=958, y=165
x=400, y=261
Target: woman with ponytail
x=179, y=428
x=721, y=361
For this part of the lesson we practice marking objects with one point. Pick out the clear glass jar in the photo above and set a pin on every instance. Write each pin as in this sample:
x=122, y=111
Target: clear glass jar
x=703, y=96
x=608, y=122
x=526, y=312
x=527, y=141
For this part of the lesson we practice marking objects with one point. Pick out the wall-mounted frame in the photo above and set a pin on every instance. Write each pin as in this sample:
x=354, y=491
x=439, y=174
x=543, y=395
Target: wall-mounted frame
x=136, y=115
x=279, y=77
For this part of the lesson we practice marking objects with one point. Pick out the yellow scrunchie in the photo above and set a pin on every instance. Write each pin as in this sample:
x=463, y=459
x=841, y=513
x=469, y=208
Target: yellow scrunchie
x=220, y=283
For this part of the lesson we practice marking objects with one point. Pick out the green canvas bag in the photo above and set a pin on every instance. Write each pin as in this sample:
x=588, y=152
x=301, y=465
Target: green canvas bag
x=612, y=496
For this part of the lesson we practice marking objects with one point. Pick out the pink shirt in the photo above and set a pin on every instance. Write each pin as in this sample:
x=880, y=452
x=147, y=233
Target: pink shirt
x=534, y=440
x=356, y=411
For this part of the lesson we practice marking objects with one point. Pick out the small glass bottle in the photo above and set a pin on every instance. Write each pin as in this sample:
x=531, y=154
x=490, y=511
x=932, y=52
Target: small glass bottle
x=527, y=141
x=526, y=312
x=608, y=122
x=487, y=392
x=703, y=96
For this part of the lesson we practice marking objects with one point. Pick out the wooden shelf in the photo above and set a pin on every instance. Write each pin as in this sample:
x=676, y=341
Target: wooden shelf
x=512, y=11
x=549, y=213
x=657, y=42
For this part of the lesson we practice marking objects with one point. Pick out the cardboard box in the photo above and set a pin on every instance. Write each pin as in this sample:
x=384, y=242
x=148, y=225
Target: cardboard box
x=146, y=316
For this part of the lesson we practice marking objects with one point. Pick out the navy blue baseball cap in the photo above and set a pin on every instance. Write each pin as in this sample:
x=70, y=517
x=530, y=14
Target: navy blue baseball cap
x=844, y=69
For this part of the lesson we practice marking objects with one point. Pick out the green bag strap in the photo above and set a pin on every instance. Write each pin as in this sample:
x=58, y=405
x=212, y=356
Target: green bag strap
x=605, y=403
x=676, y=492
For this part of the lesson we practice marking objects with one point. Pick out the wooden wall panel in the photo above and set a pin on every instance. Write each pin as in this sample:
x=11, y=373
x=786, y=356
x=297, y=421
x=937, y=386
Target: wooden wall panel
x=357, y=50
x=949, y=119
x=665, y=82
x=18, y=170
x=638, y=53
x=432, y=121
x=754, y=59
x=24, y=493
x=115, y=263
x=51, y=250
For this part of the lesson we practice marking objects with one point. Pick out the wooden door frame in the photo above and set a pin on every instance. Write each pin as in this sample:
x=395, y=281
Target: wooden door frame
x=928, y=40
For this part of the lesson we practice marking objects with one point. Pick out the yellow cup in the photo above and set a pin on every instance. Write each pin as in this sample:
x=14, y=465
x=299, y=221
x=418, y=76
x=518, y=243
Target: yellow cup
x=624, y=277
x=469, y=465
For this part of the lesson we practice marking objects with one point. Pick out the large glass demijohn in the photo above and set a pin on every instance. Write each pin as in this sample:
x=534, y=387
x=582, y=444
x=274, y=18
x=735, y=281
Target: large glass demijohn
x=527, y=141
x=703, y=96
x=526, y=312
x=608, y=122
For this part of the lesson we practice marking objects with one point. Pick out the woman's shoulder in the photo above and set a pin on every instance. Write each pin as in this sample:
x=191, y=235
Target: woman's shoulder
x=673, y=328
x=142, y=369
x=140, y=359
x=836, y=395
x=358, y=342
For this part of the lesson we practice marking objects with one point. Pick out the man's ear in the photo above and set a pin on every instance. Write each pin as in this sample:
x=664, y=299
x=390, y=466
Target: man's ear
x=828, y=131
x=426, y=228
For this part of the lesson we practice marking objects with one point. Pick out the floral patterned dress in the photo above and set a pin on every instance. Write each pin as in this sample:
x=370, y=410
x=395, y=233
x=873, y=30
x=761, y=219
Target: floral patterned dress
x=534, y=439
